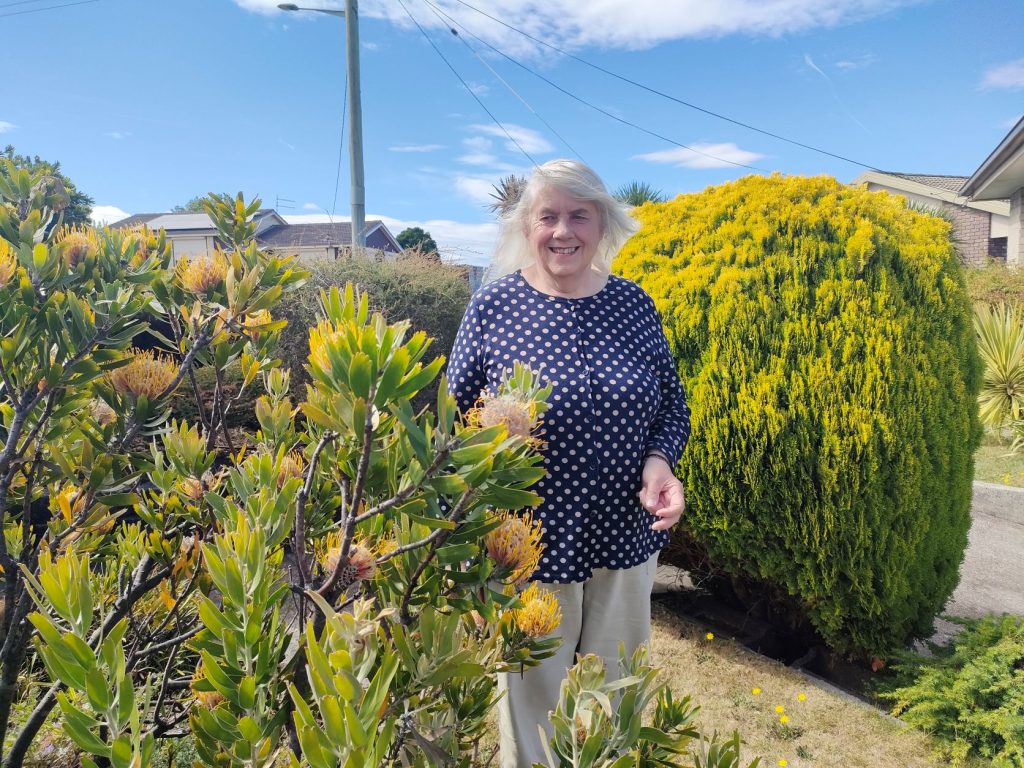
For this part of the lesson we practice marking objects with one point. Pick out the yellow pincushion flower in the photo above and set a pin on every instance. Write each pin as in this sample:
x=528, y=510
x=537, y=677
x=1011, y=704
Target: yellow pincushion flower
x=518, y=416
x=76, y=244
x=515, y=544
x=540, y=614
x=784, y=719
x=801, y=697
x=201, y=273
x=756, y=691
x=147, y=375
x=8, y=263
x=255, y=320
x=780, y=709
x=709, y=636
x=291, y=466
x=208, y=699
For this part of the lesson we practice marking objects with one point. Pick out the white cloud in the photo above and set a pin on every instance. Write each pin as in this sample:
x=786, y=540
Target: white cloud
x=117, y=134
x=107, y=214
x=857, y=62
x=1008, y=75
x=722, y=155
x=368, y=46
x=310, y=207
x=457, y=242
x=416, y=147
x=476, y=188
x=479, y=88
x=530, y=140
x=5, y=126
x=629, y=24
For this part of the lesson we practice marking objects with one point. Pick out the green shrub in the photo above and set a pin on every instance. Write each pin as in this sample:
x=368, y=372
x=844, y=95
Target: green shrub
x=824, y=336
x=1000, y=331
x=994, y=283
x=431, y=295
x=972, y=693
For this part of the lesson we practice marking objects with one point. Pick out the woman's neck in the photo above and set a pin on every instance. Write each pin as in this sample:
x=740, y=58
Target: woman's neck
x=566, y=287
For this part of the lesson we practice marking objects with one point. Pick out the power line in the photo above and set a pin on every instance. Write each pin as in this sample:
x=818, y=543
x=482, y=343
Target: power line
x=47, y=8
x=19, y=2
x=466, y=85
x=341, y=146
x=440, y=15
x=668, y=96
x=604, y=112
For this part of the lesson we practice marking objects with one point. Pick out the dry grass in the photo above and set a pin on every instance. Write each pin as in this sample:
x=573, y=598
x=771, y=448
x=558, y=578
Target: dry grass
x=993, y=462
x=824, y=730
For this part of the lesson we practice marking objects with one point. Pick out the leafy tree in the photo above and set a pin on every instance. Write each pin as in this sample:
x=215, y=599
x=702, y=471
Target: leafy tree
x=195, y=205
x=637, y=193
x=78, y=209
x=418, y=239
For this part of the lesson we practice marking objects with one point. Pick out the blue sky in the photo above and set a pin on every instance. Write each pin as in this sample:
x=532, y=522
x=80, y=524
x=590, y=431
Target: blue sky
x=147, y=104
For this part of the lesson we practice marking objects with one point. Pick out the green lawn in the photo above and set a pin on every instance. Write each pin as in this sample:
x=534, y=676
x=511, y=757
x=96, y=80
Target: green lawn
x=993, y=463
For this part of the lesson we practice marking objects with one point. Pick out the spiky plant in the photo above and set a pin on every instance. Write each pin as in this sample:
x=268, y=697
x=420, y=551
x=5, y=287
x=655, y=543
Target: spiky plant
x=506, y=194
x=637, y=193
x=1000, y=331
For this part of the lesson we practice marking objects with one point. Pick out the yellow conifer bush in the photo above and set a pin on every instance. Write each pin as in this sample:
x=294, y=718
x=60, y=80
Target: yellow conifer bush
x=824, y=336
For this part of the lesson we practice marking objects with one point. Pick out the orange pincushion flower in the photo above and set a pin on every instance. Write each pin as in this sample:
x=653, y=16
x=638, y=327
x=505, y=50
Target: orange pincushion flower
x=147, y=375
x=201, y=273
x=361, y=563
x=515, y=544
x=540, y=614
x=208, y=699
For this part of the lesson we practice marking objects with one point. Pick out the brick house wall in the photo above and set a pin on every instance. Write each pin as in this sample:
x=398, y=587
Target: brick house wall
x=971, y=232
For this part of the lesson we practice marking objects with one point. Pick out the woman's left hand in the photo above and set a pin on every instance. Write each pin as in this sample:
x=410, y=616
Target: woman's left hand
x=661, y=493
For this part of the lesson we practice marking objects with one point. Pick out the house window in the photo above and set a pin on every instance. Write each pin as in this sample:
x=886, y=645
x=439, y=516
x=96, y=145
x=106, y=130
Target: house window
x=997, y=248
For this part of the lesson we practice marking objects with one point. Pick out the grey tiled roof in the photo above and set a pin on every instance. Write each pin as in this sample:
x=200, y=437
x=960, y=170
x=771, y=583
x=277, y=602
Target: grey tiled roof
x=305, y=235
x=947, y=183
x=134, y=220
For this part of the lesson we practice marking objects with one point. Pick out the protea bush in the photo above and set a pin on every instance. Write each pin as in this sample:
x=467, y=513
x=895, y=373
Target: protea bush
x=825, y=338
x=320, y=592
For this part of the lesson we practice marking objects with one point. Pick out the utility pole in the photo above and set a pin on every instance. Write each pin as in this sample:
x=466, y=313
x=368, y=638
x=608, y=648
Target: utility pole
x=355, y=110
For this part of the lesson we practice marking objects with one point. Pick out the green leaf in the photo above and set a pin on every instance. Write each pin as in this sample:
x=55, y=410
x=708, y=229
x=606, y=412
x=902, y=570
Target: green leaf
x=360, y=375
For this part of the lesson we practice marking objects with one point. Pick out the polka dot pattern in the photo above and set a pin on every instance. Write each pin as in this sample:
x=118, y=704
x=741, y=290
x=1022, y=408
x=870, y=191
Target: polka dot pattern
x=615, y=397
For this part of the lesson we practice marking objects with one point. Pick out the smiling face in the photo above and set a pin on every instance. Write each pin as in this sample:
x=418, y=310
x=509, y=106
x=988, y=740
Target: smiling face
x=564, y=233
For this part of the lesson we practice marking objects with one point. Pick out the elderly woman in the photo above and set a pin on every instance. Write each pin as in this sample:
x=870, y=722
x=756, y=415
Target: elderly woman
x=616, y=427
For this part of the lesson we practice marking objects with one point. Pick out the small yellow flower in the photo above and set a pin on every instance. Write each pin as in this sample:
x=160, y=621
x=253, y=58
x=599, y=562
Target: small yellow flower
x=540, y=614
x=780, y=709
x=255, y=320
x=783, y=762
x=70, y=502
x=515, y=544
x=8, y=263
x=191, y=488
x=756, y=691
x=139, y=237
x=801, y=697
x=202, y=273
x=148, y=374
x=784, y=719
x=709, y=636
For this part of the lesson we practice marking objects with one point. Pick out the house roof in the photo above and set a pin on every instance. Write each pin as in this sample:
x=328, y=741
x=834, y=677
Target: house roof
x=189, y=221
x=948, y=183
x=1002, y=173
x=309, y=235
x=943, y=188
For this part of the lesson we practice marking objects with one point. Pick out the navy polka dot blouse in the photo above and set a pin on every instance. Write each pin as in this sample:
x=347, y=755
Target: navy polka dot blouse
x=616, y=396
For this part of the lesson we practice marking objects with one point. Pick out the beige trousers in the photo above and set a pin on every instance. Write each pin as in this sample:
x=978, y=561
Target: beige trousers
x=609, y=608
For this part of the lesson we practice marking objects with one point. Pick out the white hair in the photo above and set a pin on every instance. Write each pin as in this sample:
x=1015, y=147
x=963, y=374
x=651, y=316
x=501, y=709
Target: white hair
x=577, y=181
